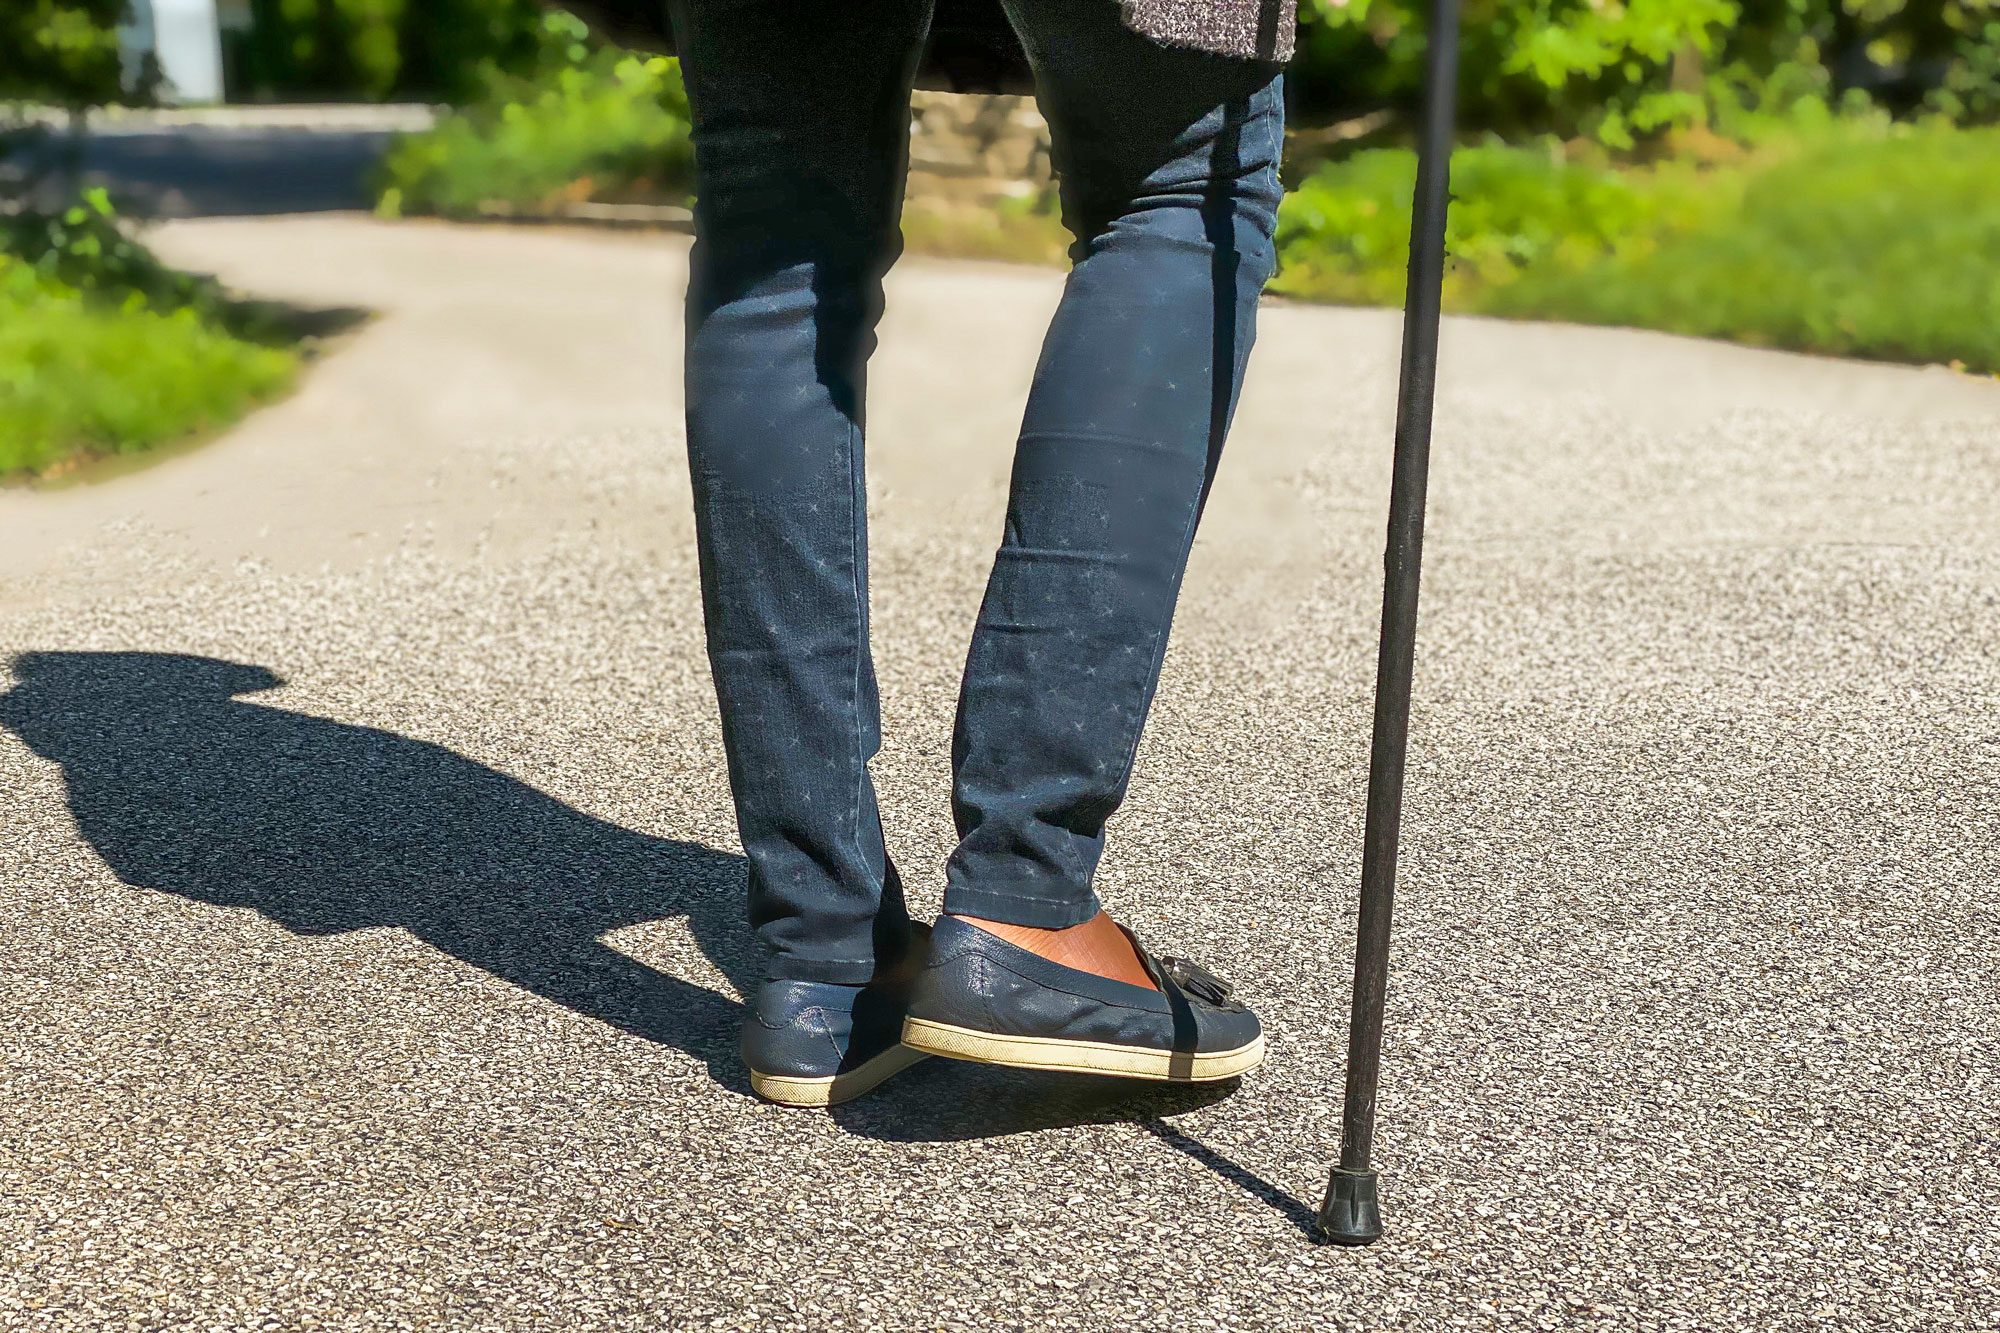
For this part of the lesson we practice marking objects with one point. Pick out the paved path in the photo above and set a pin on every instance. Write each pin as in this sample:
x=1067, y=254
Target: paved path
x=368, y=944
x=203, y=161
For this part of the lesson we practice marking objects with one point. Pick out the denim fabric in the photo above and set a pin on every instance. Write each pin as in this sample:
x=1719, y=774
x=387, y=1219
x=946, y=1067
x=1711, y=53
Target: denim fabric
x=1168, y=166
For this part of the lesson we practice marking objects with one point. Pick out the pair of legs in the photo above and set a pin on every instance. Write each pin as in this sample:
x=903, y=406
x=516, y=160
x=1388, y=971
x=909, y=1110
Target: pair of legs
x=1168, y=168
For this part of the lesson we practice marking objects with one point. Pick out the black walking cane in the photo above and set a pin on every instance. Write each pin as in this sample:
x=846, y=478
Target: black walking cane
x=1350, y=1214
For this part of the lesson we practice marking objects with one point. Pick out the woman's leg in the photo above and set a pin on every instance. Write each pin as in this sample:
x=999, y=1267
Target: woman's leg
x=1168, y=163
x=801, y=135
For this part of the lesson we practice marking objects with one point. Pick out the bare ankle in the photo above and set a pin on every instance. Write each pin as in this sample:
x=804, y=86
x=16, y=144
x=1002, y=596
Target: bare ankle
x=1096, y=946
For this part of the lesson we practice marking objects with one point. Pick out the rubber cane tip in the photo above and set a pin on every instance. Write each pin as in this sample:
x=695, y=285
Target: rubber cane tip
x=1350, y=1214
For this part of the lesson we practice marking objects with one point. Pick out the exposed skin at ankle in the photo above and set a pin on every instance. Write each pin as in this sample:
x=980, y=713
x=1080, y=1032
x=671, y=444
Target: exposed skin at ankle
x=1097, y=947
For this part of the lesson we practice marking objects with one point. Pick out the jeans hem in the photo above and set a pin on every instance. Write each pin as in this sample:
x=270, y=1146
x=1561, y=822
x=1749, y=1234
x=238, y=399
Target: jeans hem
x=1020, y=909
x=837, y=971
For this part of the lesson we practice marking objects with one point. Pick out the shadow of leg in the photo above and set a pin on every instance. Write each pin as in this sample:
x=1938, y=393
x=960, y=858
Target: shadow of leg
x=588, y=976
x=324, y=827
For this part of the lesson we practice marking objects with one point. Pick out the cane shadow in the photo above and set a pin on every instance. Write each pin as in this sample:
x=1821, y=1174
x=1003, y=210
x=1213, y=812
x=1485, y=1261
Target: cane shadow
x=184, y=787
x=946, y=1101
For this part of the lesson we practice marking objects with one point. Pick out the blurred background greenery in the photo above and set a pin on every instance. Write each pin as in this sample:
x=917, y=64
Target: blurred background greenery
x=1811, y=174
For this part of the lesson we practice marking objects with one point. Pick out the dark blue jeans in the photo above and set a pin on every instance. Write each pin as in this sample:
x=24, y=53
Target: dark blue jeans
x=1168, y=169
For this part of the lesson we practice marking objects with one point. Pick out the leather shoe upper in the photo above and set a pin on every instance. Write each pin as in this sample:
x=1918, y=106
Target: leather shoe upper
x=816, y=1029
x=974, y=979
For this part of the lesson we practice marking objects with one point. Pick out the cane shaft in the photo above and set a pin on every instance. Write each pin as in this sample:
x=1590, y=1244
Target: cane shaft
x=1402, y=563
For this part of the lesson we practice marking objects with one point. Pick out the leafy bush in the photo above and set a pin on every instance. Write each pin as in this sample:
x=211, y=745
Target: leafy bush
x=590, y=125
x=1606, y=67
x=1344, y=234
x=83, y=376
x=83, y=248
x=1626, y=71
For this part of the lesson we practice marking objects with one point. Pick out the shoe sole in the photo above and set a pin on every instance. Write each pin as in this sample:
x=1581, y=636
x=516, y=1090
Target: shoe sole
x=1081, y=1057
x=787, y=1090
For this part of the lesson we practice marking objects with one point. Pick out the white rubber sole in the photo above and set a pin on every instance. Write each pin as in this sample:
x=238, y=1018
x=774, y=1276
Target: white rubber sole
x=843, y=1087
x=1080, y=1057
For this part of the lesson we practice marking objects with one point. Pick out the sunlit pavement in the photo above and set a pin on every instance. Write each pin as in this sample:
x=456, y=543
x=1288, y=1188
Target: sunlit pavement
x=368, y=938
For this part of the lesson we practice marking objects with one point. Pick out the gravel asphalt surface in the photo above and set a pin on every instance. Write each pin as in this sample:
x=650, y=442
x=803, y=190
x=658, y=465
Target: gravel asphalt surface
x=369, y=942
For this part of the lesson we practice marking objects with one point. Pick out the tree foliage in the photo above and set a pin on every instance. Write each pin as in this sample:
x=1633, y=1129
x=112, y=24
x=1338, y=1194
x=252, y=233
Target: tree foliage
x=61, y=52
x=441, y=49
x=1619, y=70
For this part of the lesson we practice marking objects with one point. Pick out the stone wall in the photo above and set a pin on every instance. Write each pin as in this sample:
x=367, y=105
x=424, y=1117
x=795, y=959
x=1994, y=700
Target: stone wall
x=977, y=146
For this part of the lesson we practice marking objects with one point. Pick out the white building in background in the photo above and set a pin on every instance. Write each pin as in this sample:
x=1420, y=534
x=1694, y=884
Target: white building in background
x=185, y=36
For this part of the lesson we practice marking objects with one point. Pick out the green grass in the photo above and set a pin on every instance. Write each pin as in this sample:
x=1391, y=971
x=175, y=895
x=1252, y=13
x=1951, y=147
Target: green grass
x=1860, y=240
x=80, y=378
x=1888, y=249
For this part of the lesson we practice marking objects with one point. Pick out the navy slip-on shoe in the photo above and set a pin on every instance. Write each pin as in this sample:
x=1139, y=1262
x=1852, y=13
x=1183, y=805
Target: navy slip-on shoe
x=814, y=1043
x=981, y=998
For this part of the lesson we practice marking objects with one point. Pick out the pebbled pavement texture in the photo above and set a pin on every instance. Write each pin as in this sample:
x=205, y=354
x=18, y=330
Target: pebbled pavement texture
x=369, y=942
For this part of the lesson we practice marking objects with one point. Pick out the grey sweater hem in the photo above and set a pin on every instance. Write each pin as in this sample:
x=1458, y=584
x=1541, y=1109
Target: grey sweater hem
x=1248, y=29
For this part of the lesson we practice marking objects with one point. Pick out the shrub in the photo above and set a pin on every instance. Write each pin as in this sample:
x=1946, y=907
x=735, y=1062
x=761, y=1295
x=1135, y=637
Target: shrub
x=1344, y=234
x=1602, y=67
x=597, y=125
x=83, y=248
x=1627, y=71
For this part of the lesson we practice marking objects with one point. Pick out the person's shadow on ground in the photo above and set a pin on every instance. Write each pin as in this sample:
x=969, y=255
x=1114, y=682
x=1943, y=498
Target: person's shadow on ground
x=183, y=787
x=324, y=827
